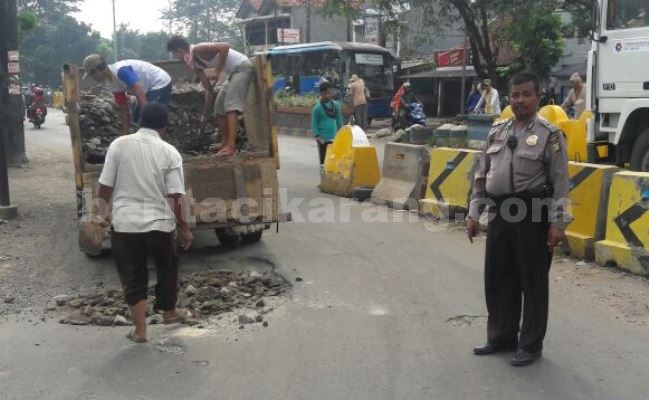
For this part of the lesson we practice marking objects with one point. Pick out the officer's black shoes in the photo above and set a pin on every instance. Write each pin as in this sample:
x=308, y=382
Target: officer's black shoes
x=523, y=358
x=488, y=348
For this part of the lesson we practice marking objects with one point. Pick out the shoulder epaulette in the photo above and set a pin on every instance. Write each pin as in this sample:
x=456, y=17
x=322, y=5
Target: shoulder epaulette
x=500, y=122
x=548, y=125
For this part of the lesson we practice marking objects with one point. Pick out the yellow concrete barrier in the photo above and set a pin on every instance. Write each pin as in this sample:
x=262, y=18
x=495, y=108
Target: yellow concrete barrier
x=627, y=224
x=505, y=114
x=351, y=163
x=449, y=183
x=553, y=114
x=589, y=188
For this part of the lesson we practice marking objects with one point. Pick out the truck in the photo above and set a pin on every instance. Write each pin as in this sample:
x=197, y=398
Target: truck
x=618, y=84
x=237, y=196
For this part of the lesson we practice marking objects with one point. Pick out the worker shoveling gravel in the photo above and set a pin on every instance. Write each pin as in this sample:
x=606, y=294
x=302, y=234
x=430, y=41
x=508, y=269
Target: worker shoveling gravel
x=203, y=295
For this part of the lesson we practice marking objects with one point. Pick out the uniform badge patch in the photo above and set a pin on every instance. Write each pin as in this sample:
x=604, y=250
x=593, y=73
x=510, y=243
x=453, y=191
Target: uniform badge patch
x=532, y=140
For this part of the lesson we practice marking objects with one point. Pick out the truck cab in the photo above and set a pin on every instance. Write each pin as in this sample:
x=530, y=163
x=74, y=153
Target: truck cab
x=618, y=79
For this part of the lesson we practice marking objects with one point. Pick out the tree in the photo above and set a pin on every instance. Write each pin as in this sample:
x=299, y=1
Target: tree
x=482, y=21
x=46, y=9
x=27, y=21
x=57, y=38
x=536, y=38
x=150, y=46
x=206, y=20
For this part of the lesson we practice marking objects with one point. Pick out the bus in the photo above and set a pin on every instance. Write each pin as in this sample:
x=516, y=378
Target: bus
x=299, y=68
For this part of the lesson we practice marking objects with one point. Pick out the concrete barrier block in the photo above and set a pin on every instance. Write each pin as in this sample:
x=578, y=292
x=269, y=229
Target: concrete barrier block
x=405, y=170
x=351, y=163
x=626, y=242
x=589, y=188
x=450, y=179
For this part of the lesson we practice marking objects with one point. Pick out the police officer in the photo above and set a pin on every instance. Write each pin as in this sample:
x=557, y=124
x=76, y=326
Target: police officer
x=523, y=178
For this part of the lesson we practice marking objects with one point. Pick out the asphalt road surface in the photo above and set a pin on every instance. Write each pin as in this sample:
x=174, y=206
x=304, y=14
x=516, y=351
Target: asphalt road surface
x=388, y=309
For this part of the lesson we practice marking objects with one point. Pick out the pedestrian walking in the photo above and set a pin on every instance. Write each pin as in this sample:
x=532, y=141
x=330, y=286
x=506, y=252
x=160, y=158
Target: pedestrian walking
x=143, y=175
x=358, y=98
x=523, y=177
x=140, y=78
x=326, y=120
x=489, y=102
x=231, y=100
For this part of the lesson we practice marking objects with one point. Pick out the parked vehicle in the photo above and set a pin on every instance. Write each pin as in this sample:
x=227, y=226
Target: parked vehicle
x=237, y=197
x=618, y=90
x=301, y=67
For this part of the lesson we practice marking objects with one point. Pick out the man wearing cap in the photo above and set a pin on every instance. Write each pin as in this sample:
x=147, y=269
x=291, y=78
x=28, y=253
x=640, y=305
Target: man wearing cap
x=489, y=103
x=358, y=100
x=523, y=178
x=146, y=81
x=143, y=175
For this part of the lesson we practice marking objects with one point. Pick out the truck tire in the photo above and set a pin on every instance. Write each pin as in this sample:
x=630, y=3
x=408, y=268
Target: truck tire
x=253, y=237
x=227, y=238
x=640, y=153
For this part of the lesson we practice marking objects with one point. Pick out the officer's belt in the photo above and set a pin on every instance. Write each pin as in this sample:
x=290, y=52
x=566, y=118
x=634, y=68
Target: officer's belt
x=541, y=192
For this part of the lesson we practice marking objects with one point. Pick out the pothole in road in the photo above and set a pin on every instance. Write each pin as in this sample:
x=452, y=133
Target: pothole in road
x=250, y=294
x=466, y=320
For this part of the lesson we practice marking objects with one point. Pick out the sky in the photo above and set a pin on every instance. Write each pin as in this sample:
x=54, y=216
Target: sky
x=143, y=15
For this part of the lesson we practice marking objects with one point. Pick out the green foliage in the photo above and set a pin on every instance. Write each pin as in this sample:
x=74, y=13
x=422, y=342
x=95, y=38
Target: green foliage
x=149, y=46
x=286, y=99
x=536, y=36
x=27, y=21
x=56, y=39
x=206, y=20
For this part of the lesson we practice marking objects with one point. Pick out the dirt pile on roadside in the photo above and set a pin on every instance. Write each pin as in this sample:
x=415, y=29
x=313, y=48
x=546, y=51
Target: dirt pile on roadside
x=203, y=295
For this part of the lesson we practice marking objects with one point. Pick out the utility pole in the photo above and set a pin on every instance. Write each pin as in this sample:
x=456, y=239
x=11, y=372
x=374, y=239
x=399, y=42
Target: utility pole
x=11, y=111
x=308, y=21
x=464, y=56
x=114, y=32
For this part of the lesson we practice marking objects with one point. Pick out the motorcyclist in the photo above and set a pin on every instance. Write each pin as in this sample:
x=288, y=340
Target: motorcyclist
x=401, y=104
x=37, y=101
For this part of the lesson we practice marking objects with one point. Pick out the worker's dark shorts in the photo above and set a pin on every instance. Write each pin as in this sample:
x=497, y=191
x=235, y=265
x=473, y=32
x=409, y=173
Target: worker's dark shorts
x=132, y=251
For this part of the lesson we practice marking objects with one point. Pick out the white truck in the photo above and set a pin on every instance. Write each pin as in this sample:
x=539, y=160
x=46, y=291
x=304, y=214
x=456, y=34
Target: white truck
x=618, y=79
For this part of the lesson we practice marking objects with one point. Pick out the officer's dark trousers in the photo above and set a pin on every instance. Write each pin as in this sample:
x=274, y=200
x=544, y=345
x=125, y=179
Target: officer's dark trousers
x=516, y=271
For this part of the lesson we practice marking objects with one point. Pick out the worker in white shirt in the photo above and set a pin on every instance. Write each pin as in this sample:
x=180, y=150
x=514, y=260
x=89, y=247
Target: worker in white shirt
x=231, y=100
x=143, y=176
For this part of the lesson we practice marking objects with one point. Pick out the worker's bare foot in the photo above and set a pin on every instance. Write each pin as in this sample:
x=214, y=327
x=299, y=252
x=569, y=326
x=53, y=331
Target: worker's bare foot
x=137, y=338
x=226, y=151
x=215, y=148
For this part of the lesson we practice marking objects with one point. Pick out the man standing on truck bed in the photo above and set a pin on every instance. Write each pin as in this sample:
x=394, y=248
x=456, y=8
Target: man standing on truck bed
x=231, y=100
x=146, y=81
x=143, y=175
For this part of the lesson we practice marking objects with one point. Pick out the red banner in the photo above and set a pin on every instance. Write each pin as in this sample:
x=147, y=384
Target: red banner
x=450, y=58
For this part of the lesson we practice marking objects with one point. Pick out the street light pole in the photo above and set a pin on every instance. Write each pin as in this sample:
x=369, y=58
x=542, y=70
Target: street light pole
x=114, y=32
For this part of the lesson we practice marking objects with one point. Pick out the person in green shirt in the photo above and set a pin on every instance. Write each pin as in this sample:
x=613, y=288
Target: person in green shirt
x=326, y=120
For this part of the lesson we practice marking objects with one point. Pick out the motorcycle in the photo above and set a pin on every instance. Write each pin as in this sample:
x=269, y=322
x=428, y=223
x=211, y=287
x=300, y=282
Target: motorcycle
x=37, y=116
x=413, y=116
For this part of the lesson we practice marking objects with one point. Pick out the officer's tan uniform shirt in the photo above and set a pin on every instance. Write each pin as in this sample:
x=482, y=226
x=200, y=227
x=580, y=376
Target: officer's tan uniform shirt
x=539, y=159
